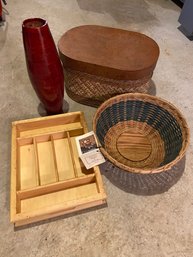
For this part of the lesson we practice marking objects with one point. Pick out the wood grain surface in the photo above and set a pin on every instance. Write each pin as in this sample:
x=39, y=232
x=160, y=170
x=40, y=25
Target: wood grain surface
x=133, y=146
x=47, y=176
x=108, y=52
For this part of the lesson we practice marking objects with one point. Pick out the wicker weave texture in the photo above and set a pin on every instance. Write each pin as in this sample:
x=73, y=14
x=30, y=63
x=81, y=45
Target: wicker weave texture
x=143, y=184
x=93, y=90
x=157, y=120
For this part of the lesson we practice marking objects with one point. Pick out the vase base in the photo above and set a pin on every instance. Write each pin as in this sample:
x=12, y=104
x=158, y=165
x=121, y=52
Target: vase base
x=42, y=111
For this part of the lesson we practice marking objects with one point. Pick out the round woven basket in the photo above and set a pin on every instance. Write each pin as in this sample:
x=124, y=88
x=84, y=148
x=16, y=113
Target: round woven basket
x=141, y=133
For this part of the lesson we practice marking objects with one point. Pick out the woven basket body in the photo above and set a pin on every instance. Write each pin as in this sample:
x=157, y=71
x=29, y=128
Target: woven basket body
x=93, y=90
x=143, y=184
x=101, y=62
x=141, y=133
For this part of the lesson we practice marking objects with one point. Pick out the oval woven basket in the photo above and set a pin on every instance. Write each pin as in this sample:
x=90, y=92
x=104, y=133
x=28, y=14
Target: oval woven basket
x=96, y=70
x=141, y=133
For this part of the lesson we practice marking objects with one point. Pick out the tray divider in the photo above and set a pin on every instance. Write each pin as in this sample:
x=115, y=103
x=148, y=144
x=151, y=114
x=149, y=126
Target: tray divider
x=83, y=122
x=18, y=180
x=55, y=160
x=98, y=181
x=36, y=162
x=72, y=155
x=54, y=187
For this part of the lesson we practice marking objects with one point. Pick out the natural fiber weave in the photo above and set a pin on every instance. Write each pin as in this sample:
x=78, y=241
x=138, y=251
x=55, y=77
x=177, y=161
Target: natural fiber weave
x=157, y=120
x=143, y=184
x=93, y=90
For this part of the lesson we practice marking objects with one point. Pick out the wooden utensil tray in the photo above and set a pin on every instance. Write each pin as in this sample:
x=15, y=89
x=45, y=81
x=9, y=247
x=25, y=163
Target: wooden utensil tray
x=47, y=177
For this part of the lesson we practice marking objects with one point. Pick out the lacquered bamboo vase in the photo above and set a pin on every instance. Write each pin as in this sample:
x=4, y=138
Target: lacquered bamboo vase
x=43, y=64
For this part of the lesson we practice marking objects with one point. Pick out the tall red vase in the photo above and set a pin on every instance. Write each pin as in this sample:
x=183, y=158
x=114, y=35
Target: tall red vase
x=43, y=64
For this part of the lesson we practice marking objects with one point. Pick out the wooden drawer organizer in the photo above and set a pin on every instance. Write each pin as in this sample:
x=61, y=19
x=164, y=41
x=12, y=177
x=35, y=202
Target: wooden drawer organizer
x=47, y=177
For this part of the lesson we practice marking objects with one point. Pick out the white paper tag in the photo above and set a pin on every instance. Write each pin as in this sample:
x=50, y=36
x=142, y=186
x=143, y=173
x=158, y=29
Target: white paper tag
x=88, y=150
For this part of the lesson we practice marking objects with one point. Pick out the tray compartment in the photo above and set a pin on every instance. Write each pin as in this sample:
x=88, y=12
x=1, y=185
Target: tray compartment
x=63, y=159
x=28, y=167
x=39, y=126
x=58, y=197
x=47, y=168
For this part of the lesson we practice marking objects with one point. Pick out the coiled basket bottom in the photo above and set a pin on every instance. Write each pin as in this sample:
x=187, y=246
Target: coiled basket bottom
x=141, y=134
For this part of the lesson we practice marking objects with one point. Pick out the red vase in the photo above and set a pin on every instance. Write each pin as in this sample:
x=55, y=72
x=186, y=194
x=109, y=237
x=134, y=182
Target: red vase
x=1, y=12
x=43, y=64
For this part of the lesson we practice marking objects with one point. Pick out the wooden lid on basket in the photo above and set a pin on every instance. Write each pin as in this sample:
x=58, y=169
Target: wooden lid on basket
x=108, y=52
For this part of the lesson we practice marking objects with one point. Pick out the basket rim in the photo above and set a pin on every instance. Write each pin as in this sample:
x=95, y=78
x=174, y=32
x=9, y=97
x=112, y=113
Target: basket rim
x=171, y=108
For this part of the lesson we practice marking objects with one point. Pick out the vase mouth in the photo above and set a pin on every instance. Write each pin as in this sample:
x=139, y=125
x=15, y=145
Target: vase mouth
x=34, y=23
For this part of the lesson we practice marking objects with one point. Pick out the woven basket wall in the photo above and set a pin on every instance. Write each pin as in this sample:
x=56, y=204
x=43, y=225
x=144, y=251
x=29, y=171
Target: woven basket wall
x=143, y=184
x=93, y=90
x=154, y=119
